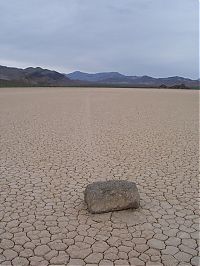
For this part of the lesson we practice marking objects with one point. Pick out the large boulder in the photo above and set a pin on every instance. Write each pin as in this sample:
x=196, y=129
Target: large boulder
x=112, y=195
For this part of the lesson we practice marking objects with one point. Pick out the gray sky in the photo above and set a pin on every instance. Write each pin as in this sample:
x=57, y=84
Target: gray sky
x=134, y=37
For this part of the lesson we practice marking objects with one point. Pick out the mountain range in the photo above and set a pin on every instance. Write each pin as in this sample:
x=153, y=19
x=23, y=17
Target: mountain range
x=37, y=76
x=117, y=78
x=32, y=77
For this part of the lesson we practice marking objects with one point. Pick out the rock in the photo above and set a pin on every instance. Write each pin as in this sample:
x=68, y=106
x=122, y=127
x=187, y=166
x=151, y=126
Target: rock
x=163, y=86
x=180, y=87
x=111, y=195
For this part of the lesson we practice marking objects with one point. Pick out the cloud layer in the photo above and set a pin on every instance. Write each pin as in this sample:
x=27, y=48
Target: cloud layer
x=136, y=37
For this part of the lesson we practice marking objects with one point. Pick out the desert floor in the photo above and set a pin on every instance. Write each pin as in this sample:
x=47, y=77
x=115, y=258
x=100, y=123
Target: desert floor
x=54, y=141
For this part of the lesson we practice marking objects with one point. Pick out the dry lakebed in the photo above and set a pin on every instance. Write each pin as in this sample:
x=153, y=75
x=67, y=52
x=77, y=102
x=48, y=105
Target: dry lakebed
x=56, y=141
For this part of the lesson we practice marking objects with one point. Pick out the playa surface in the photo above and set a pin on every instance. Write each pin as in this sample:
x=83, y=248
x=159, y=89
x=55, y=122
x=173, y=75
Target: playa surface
x=55, y=141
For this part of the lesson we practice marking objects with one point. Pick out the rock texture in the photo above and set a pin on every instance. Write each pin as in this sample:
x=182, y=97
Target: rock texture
x=112, y=195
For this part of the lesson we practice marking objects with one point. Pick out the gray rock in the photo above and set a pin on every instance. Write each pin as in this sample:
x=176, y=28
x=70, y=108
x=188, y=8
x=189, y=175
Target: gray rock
x=111, y=195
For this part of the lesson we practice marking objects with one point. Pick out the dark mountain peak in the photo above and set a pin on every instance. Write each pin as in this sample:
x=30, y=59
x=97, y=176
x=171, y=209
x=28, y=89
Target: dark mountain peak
x=33, y=68
x=93, y=77
x=9, y=68
x=145, y=76
x=34, y=76
x=78, y=72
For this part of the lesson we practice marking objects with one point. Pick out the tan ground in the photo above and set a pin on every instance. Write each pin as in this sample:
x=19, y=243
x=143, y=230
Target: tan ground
x=54, y=141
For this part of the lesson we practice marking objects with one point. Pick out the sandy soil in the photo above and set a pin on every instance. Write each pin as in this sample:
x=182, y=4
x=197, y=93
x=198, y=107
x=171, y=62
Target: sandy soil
x=54, y=141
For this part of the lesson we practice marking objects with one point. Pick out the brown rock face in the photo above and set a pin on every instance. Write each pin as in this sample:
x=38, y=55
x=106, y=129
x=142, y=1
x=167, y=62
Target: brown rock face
x=113, y=195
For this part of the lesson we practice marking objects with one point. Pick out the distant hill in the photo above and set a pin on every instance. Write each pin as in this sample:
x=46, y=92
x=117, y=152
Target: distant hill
x=32, y=77
x=77, y=75
x=37, y=76
x=117, y=78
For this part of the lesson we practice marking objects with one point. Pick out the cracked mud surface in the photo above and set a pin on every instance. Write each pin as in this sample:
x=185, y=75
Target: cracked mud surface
x=54, y=141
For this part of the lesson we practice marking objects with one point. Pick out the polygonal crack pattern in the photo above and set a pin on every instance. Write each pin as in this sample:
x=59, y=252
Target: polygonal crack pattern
x=55, y=141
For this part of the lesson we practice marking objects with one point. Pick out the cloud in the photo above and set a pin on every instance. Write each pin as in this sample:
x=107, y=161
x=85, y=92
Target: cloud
x=153, y=37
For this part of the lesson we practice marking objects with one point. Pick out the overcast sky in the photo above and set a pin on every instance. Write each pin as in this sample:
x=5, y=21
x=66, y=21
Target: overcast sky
x=134, y=37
